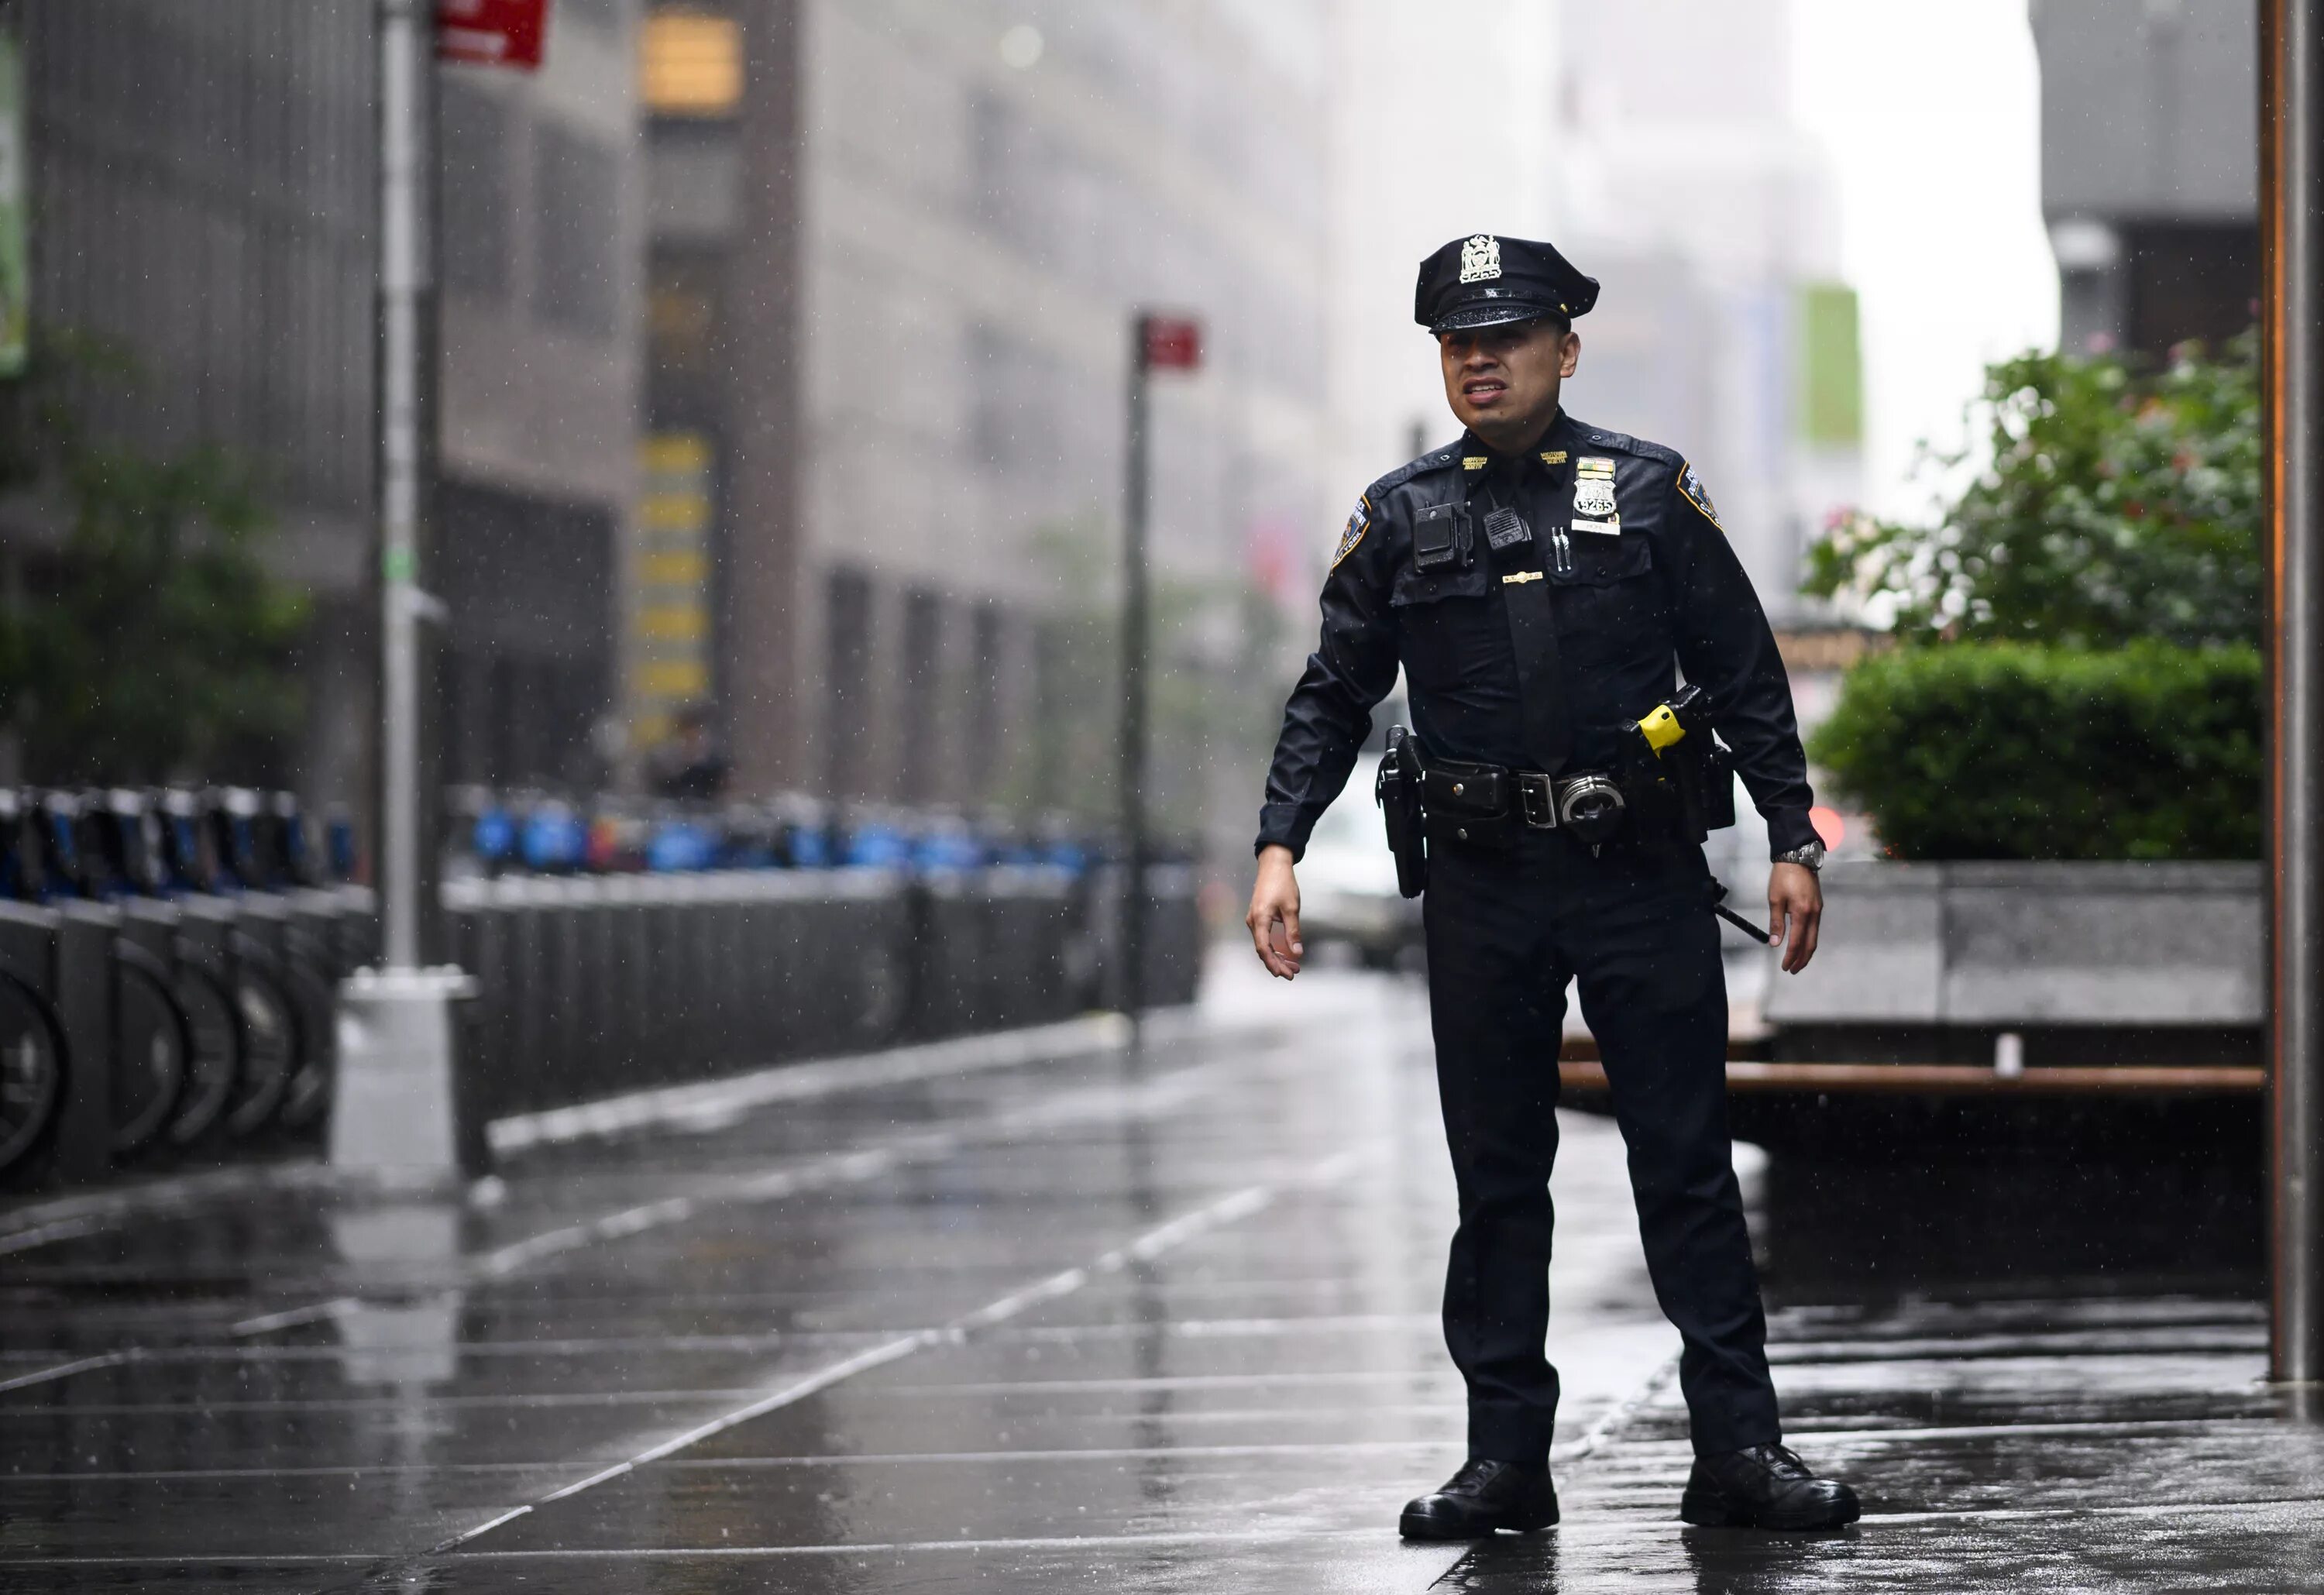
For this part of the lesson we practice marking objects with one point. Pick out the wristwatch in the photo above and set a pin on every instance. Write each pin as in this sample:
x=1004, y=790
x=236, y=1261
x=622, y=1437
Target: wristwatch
x=1811, y=855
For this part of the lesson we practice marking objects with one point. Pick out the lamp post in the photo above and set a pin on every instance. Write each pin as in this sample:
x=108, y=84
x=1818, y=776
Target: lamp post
x=397, y=1093
x=406, y=72
x=2292, y=236
x=1157, y=343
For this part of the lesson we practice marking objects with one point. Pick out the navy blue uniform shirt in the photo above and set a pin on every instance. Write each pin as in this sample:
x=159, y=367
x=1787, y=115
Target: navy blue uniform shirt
x=1644, y=585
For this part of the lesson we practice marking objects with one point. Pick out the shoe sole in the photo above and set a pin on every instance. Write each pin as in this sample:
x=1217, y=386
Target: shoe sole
x=1704, y=1510
x=1422, y=1528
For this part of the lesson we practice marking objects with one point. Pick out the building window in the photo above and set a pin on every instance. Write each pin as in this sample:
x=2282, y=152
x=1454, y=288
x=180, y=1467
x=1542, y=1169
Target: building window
x=577, y=192
x=604, y=16
x=988, y=640
x=475, y=192
x=529, y=586
x=989, y=141
x=682, y=316
x=671, y=641
x=922, y=690
x=2191, y=279
x=1053, y=708
x=847, y=678
x=1016, y=411
x=690, y=65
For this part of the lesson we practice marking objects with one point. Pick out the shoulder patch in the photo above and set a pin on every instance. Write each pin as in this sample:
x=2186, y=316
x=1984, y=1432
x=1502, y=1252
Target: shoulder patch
x=1359, y=523
x=1697, y=495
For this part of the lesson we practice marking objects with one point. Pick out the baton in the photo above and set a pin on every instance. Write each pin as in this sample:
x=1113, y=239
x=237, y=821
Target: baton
x=1719, y=907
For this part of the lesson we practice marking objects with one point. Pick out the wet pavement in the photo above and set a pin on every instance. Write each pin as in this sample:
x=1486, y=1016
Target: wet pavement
x=1035, y=1313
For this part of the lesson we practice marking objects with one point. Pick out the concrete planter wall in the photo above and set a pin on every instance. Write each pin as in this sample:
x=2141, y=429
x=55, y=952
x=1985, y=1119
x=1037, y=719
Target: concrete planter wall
x=2136, y=962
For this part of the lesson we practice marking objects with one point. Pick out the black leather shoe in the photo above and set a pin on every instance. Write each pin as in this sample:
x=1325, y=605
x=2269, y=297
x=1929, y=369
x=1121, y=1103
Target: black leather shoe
x=1482, y=1496
x=1765, y=1487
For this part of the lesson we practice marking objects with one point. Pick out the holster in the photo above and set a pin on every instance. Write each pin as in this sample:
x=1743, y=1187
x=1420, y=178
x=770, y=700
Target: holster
x=1706, y=787
x=1472, y=805
x=1398, y=792
x=1680, y=796
x=1705, y=773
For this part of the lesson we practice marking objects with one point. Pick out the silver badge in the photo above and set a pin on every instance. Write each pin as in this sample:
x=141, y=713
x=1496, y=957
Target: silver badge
x=1593, y=496
x=1480, y=258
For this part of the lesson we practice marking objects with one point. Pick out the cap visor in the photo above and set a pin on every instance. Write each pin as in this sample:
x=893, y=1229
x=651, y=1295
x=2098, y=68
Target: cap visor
x=1501, y=313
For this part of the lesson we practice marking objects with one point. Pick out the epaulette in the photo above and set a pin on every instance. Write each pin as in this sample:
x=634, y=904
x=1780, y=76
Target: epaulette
x=1600, y=437
x=1436, y=459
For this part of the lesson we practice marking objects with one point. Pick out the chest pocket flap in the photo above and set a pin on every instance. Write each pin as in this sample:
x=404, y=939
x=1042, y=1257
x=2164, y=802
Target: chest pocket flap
x=1430, y=586
x=1601, y=561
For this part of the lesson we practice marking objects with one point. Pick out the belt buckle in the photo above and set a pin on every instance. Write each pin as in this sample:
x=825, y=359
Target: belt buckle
x=1537, y=800
x=1591, y=806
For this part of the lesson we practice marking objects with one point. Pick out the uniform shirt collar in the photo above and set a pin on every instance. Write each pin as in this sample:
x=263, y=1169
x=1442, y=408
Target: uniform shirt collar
x=1556, y=443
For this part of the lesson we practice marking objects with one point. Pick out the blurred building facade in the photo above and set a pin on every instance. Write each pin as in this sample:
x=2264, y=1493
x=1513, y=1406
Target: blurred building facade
x=1431, y=138
x=896, y=245
x=204, y=190
x=1712, y=219
x=2150, y=168
x=542, y=263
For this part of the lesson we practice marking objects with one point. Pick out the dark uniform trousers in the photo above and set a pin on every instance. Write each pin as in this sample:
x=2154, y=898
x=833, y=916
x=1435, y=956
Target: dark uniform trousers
x=1505, y=930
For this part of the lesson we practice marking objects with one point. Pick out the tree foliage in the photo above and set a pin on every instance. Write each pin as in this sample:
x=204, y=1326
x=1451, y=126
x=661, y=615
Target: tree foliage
x=2119, y=502
x=154, y=644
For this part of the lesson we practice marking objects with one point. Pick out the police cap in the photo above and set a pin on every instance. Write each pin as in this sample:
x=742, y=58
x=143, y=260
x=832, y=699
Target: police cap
x=1488, y=281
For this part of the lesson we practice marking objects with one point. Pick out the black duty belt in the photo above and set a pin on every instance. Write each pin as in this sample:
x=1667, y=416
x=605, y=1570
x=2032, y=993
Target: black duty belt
x=1488, y=803
x=1573, y=801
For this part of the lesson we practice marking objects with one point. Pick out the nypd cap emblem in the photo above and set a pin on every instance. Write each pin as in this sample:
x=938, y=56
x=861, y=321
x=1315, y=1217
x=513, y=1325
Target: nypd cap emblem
x=1481, y=259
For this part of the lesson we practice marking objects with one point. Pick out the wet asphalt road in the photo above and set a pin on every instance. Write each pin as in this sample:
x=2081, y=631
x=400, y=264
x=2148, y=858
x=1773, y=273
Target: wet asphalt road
x=1031, y=1314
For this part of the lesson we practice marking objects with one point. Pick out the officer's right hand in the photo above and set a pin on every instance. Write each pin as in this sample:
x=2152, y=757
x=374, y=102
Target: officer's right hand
x=1274, y=916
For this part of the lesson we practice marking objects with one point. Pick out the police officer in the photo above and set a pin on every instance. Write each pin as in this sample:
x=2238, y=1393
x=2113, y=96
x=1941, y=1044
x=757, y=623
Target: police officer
x=1541, y=582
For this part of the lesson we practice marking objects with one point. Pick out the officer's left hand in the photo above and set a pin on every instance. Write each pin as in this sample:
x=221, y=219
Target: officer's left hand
x=1795, y=907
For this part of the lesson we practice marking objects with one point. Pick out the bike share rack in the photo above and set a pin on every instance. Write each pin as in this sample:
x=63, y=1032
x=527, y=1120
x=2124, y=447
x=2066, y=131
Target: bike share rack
x=167, y=987
x=169, y=962
x=593, y=985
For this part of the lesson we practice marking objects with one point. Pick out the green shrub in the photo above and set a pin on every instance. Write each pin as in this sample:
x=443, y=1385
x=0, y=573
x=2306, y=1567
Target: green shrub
x=2111, y=501
x=2008, y=750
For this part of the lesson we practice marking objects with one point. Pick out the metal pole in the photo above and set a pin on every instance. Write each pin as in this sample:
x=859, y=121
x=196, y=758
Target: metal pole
x=1134, y=648
x=2292, y=230
x=406, y=56
x=397, y=1099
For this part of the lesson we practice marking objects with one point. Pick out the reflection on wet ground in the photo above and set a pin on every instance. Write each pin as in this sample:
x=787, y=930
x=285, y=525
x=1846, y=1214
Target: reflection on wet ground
x=1068, y=1318
x=2139, y=1220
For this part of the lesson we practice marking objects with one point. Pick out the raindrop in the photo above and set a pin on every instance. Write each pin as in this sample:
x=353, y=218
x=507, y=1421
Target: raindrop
x=1021, y=46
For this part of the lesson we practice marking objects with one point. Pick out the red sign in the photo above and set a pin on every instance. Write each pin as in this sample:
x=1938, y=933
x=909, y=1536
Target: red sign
x=1170, y=342
x=495, y=32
